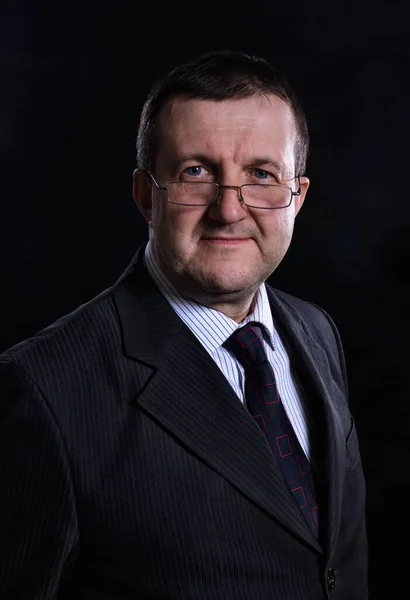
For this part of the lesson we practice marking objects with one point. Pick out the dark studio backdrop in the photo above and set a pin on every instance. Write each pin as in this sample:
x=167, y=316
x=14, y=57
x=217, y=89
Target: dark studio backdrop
x=74, y=77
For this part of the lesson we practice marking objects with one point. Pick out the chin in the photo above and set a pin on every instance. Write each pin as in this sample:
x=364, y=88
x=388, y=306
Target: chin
x=222, y=281
x=228, y=286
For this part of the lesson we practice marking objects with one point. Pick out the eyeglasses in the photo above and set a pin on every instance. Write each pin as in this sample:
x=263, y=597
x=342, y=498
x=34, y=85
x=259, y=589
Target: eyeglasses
x=201, y=193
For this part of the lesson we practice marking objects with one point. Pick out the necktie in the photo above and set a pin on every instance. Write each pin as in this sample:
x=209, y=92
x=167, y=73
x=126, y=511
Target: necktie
x=265, y=405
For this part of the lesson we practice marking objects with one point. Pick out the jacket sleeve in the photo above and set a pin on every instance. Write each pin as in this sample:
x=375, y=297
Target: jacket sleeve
x=38, y=521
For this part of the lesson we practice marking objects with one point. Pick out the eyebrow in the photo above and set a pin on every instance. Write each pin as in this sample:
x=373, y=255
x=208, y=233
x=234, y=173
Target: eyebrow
x=202, y=158
x=179, y=160
x=266, y=161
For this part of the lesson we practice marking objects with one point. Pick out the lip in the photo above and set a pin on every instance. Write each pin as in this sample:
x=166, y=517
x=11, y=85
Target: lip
x=225, y=241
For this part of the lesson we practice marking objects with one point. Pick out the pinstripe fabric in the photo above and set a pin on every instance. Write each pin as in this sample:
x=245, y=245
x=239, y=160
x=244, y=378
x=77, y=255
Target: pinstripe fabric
x=119, y=478
x=213, y=328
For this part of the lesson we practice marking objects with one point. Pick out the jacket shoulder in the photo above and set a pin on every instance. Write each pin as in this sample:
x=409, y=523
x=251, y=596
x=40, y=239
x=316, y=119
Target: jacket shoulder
x=69, y=338
x=318, y=325
x=312, y=315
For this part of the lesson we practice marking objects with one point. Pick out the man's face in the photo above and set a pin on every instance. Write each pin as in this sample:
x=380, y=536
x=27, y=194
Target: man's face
x=223, y=252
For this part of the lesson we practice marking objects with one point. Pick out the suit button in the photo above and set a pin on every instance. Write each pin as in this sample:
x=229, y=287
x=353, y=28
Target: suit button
x=331, y=579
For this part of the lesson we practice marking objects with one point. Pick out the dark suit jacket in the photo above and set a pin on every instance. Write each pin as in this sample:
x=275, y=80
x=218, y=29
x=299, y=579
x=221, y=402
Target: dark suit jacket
x=130, y=469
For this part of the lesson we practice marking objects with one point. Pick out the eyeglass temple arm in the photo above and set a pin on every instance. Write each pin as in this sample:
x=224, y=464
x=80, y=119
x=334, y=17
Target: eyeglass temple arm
x=298, y=191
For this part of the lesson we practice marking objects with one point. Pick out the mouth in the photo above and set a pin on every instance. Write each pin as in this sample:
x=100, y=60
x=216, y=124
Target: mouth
x=225, y=241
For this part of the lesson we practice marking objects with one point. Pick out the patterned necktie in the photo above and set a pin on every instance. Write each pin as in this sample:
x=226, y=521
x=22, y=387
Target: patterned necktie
x=264, y=404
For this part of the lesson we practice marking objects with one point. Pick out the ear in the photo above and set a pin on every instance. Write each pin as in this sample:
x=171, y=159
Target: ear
x=299, y=200
x=142, y=193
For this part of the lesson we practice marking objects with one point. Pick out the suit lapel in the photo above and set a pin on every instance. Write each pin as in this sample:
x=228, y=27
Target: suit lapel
x=191, y=397
x=188, y=394
x=310, y=362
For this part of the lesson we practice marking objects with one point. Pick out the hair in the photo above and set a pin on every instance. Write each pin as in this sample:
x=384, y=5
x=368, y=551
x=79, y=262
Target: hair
x=218, y=75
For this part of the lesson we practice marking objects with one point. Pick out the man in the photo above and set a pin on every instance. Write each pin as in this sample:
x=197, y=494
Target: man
x=140, y=451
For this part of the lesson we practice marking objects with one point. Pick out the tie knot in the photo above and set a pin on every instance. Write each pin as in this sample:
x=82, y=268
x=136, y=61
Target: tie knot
x=246, y=345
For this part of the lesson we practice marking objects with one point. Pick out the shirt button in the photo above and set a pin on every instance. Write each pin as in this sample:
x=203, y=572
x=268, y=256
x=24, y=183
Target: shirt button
x=331, y=579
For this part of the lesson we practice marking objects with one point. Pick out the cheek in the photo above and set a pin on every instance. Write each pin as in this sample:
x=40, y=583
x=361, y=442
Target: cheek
x=162, y=220
x=276, y=235
x=285, y=222
x=175, y=224
x=277, y=225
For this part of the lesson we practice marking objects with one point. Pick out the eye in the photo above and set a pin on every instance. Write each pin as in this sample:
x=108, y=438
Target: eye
x=262, y=174
x=195, y=171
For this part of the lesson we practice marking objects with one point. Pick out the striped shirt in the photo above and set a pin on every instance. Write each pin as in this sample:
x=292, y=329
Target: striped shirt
x=212, y=328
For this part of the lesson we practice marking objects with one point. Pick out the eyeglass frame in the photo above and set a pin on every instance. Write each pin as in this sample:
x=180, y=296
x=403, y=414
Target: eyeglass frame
x=219, y=187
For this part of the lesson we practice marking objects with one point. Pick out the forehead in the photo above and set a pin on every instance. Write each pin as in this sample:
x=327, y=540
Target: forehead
x=234, y=127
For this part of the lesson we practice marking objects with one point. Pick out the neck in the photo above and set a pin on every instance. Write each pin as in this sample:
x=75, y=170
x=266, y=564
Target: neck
x=237, y=311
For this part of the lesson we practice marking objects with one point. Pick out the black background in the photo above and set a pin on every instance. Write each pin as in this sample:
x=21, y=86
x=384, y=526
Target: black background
x=74, y=76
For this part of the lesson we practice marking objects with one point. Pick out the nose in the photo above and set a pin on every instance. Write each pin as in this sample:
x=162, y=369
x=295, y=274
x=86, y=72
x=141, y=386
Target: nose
x=228, y=207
